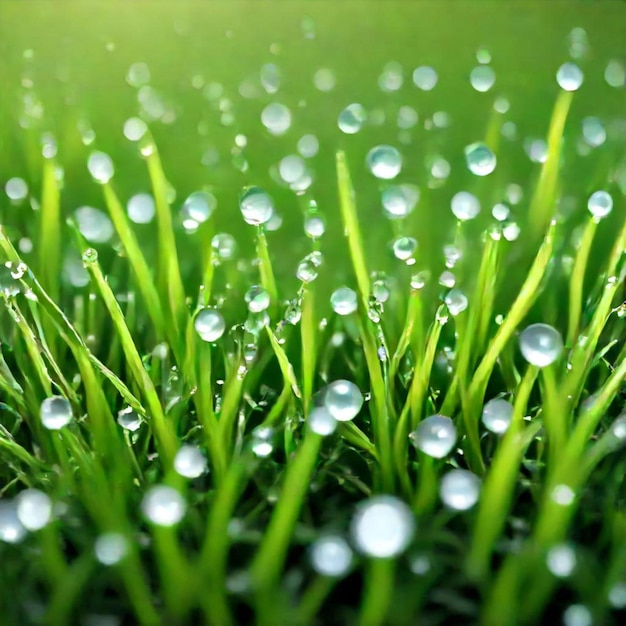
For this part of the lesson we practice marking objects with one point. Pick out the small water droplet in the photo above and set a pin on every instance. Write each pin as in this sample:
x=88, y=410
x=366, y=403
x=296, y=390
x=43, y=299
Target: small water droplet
x=94, y=225
x=615, y=74
x=308, y=146
x=34, y=509
x=399, y=200
x=482, y=78
x=465, y=205
x=594, y=132
x=134, y=128
x=407, y=117
x=577, y=615
x=617, y=595
x=435, y=436
x=600, y=204
x=497, y=415
x=257, y=298
x=291, y=168
x=331, y=556
x=190, y=462
x=163, y=505
x=16, y=189
x=563, y=495
x=459, y=489
x=140, y=208
x=321, y=422
x=56, y=412
x=569, y=77
x=111, y=548
x=384, y=162
x=561, y=560
x=352, y=118
x=324, y=79
x=276, y=118
x=344, y=301
x=256, y=206
x=224, y=247
x=198, y=207
x=391, y=78
x=307, y=270
x=456, y=301
x=425, y=77
x=404, y=248
x=481, y=161
x=138, y=75
x=100, y=167
x=90, y=256
x=11, y=529
x=343, y=400
x=500, y=212
x=210, y=325
x=541, y=344
x=129, y=419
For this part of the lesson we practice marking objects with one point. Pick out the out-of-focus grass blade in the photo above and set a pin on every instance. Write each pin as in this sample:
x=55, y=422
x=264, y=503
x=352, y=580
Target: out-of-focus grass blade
x=283, y=361
x=308, y=336
x=49, y=240
x=265, y=268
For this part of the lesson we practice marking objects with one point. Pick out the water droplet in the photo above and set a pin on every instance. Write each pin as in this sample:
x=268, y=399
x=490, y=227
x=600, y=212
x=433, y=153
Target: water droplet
x=343, y=400
x=577, y=615
x=257, y=299
x=482, y=78
x=481, y=161
x=569, y=76
x=34, y=509
x=501, y=105
x=456, y=301
x=384, y=162
x=404, y=248
x=190, y=462
x=56, y=412
x=11, y=529
x=425, y=77
x=500, y=212
x=399, y=200
x=391, y=78
x=511, y=231
x=419, y=280
x=615, y=74
x=382, y=527
x=497, y=415
x=324, y=79
x=314, y=225
x=380, y=289
x=256, y=206
x=16, y=189
x=100, y=167
x=593, y=131
x=435, y=436
x=331, y=556
x=308, y=146
x=617, y=595
x=600, y=204
x=224, y=247
x=459, y=489
x=352, y=118
x=563, y=495
x=419, y=564
x=465, y=205
x=138, y=75
x=129, y=419
x=291, y=168
x=210, y=325
x=407, y=117
x=320, y=421
x=276, y=118
x=541, y=345
x=90, y=256
x=561, y=560
x=307, y=270
x=270, y=77
x=199, y=207
x=619, y=427
x=94, y=225
x=344, y=301
x=134, y=128
x=261, y=442
x=163, y=505
x=111, y=548
x=140, y=208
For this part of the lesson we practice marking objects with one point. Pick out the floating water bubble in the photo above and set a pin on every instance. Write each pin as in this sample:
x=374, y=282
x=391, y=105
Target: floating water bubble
x=465, y=205
x=163, y=505
x=344, y=301
x=307, y=270
x=16, y=189
x=500, y=212
x=404, y=248
x=276, y=118
x=561, y=560
x=56, y=412
x=256, y=206
x=291, y=168
x=480, y=160
x=425, y=77
x=384, y=162
x=343, y=400
x=257, y=298
x=456, y=301
x=110, y=548
x=190, y=462
x=482, y=78
x=435, y=436
x=541, y=345
x=352, y=118
x=138, y=75
x=210, y=325
x=34, y=509
x=615, y=74
x=600, y=204
x=497, y=415
x=407, y=117
x=331, y=556
x=199, y=206
x=563, y=495
x=382, y=527
x=94, y=225
x=140, y=208
x=569, y=76
x=459, y=489
x=224, y=247
x=391, y=78
x=399, y=200
x=617, y=595
x=11, y=529
x=321, y=422
x=324, y=79
x=593, y=131
x=129, y=419
x=577, y=615
x=308, y=146
x=100, y=167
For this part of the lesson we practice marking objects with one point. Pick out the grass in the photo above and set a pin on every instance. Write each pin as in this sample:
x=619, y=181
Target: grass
x=242, y=551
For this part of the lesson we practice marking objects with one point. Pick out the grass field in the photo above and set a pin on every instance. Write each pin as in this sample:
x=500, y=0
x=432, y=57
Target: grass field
x=178, y=442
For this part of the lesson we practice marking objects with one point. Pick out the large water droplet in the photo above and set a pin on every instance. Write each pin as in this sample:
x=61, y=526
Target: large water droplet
x=111, y=548
x=34, y=509
x=276, y=118
x=382, y=527
x=435, y=436
x=163, y=505
x=343, y=400
x=384, y=162
x=541, y=344
x=94, y=225
x=190, y=462
x=256, y=206
x=465, y=205
x=321, y=422
x=459, y=489
x=497, y=415
x=425, y=77
x=344, y=301
x=56, y=412
x=352, y=118
x=331, y=556
x=569, y=76
x=600, y=204
x=481, y=161
x=482, y=78
x=100, y=167
x=210, y=325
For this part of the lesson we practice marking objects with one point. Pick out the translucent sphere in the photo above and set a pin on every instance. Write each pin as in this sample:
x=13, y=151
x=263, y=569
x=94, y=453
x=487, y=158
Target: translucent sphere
x=111, y=548
x=569, y=76
x=291, y=168
x=210, y=325
x=134, y=128
x=307, y=270
x=561, y=560
x=600, y=204
x=324, y=79
x=321, y=422
x=34, y=509
x=100, y=167
x=541, y=345
x=344, y=301
x=343, y=400
x=459, y=489
x=256, y=206
x=615, y=74
x=199, y=206
x=276, y=118
x=435, y=436
x=594, y=131
x=190, y=462
x=331, y=556
x=163, y=505
x=224, y=247
x=425, y=77
x=456, y=301
x=481, y=161
x=11, y=529
x=404, y=248
x=384, y=162
x=129, y=419
x=399, y=200
x=257, y=298
x=140, y=208
x=382, y=527
x=308, y=146
x=577, y=615
x=314, y=226
x=94, y=225
x=482, y=78
x=56, y=412
x=465, y=205
x=16, y=189
x=497, y=415
x=352, y=118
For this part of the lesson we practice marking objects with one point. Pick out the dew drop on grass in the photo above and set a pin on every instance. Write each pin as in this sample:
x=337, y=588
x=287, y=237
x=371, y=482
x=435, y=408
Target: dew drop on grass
x=129, y=419
x=134, y=128
x=307, y=270
x=276, y=118
x=619, y=427
x=465, y=205
x=291, y=168
x=94, y=225
x=73, y=271
x=140, y=208
x=210, y=325
x=138, y=75
x=331, y=556
x=569, y=77
x=262, y=445
x=224, y=247
x=615, y=74
x=563, y=495
x=399, y=200
x=163, y=505
x=321, y=422
x=199, y=206
x=407, y=117
x=500, y=212
x=459, y=489
x=561, y=560
x=308, y=146
x=34, y=509
x=594, y=132
x=324, y=79
x=497, y=415
x=100, y=167
x=256, y=206
x=404, y=248
x=344, y=301
x=56, y=412
x=456, y=301
x=314, y=225
x=352, y=118
x=425, y=77
x=482, y=78
x=617, y=595
x=343, y=400
x=382, y=527
x=16, y=189
x=440, y=168
x=511, y=231
x=257, y=298
x=481, y=161
x=600, y=204
x=384, y=162
x=577, y=615
x=190, y=462
x=110, y=548
x=11, y=529
x=541, y=344
x=90, y=256
x=435, y=436
x=391, y=78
